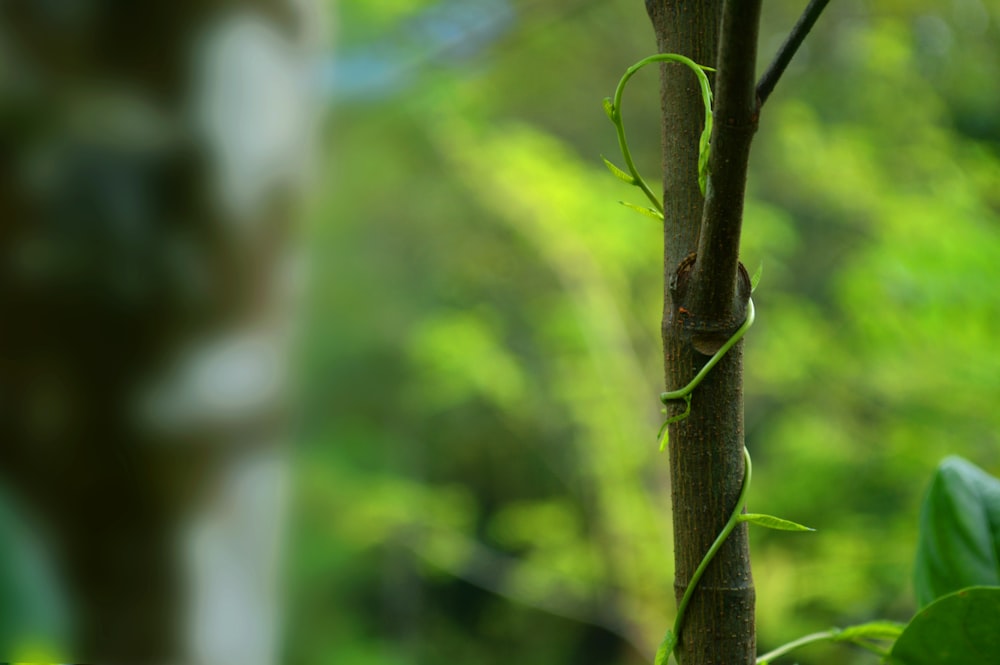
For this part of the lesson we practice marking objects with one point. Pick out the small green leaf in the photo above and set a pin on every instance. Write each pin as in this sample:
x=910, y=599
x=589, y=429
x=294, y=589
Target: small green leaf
x=959, y=541
x=648, y=212
x=755, y=280
x=663, y=436
x=957, y=629
x=874, y=630
x=772, y=522
x=618, y=173
x=609, y=109
x=666, y=648
x=705, y=148
x=703, y=168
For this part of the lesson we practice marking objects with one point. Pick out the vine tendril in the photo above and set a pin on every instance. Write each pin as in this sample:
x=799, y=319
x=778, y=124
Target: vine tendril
x=613, y=108
x=685, y=392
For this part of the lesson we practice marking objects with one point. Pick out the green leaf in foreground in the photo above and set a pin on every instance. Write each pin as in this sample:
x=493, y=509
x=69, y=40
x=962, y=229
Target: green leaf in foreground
x=772, y=522
x=959, y=542
x=958, y=629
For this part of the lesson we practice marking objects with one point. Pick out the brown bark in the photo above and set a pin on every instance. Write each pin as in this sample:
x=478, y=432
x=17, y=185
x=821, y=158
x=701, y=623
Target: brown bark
x=704, y=302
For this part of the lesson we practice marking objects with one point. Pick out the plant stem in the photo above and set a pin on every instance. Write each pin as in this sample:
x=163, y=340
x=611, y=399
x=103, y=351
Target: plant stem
x=623, y=143
x=795, y=644
x=832, y=635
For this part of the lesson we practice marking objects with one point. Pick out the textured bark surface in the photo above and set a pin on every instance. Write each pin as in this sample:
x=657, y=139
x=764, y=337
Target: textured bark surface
x=706, y=449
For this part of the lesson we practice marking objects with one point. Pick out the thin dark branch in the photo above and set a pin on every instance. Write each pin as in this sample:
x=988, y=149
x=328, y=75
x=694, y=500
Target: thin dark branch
x=787, y=51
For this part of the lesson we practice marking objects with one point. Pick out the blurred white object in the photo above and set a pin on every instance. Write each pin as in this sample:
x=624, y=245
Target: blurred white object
x=218, y=383
x=251, y=108
x=233, y=550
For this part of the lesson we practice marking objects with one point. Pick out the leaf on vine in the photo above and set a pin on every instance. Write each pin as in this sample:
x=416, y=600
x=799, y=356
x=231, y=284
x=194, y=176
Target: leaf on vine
x=703, y=154
x=874, y=630
x=755, y=280
x=772, y=522
x=618, y=173
x=648, y=212
x=666, y=648
x=663, y=436
x=705, y=143
x=609, y=109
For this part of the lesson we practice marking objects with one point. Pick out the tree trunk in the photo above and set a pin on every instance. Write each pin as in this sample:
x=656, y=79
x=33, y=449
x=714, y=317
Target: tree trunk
x=705, y=301
x=143, y=262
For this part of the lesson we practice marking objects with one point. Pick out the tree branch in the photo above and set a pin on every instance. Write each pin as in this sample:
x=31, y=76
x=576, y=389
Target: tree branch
x=714, y=296
x=787, y=51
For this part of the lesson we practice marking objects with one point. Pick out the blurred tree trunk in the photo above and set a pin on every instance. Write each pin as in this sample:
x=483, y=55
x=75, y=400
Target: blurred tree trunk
x=705, y=300
x=149, y=154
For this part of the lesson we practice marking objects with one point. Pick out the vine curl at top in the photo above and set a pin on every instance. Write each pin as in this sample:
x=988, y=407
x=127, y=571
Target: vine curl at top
x=613, y=109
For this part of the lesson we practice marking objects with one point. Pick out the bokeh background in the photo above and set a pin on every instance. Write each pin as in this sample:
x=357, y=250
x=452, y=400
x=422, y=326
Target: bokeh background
x=476, y=475
x=479, y=480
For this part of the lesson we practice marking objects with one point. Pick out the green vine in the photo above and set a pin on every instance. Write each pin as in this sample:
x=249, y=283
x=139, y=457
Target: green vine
x=685, y=392
x=737, y=516
x=613, y=109
x=863, y=635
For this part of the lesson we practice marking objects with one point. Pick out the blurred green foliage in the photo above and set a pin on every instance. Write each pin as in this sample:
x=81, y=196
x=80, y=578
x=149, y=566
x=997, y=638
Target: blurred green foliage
x=479, y=479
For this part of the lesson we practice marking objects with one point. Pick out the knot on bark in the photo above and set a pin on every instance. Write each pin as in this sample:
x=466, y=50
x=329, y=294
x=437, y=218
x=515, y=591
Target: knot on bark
x=707, y=333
